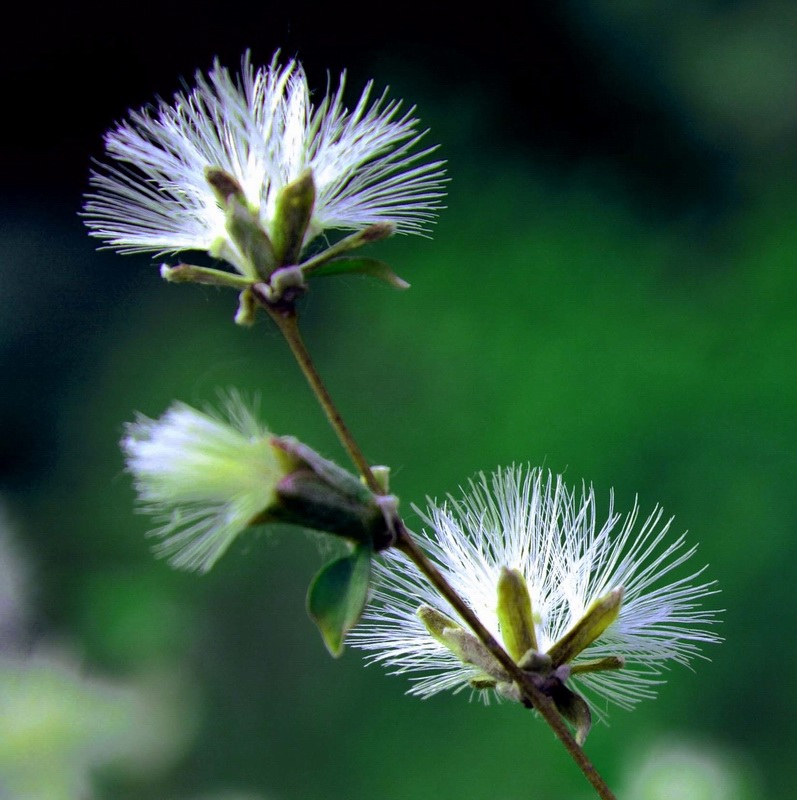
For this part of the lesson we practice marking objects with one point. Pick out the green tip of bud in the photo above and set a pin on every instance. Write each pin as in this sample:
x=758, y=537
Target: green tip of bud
x=247, y=309
x=597, y=618
x=515, y=613
x=292, y=218
x=382, y=477
x=224, y=186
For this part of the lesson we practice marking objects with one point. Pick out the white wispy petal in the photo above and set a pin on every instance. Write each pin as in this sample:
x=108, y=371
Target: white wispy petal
x=531, y=522
x=261, y=128
x=204, y=477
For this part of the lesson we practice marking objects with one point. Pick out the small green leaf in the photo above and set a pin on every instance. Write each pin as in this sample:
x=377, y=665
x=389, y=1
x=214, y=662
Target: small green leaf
x=363, y=266
x=337, y=596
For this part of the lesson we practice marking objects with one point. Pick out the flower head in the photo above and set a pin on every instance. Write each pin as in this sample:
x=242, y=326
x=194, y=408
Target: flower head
x=590, y=605
x=207, y=477
x=262, y=131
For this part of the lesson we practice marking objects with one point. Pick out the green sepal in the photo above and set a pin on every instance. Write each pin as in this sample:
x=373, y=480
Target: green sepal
x=224, y=186
x=362, y=266
x=295, y=205
x=597, y=665
x=574, y=709
x=303, y=499
x=188, y=273
x=297, y=454
x=514, y=613
x=245, y=230
x=316, y=493
x=465, y=646
x=337, y=596
x=373, y=233
x=597, y=618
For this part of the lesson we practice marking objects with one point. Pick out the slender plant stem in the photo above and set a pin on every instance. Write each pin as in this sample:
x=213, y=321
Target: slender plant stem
x=540, y=701
x=289, y=327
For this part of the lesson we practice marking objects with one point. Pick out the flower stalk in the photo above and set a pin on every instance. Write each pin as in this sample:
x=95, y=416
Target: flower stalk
x=249, y=171
x=287, y=322
x=286, y=319
x=534, y=697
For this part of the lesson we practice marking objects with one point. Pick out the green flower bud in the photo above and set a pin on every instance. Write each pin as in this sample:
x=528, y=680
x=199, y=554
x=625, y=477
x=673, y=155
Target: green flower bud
x=294, y=209
x=213, y=476
x=597, y=618
x=514, y=613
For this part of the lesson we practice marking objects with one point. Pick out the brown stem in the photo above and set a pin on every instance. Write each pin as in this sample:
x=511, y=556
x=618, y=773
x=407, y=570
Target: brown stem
x=541, y=702
x=289, y=327
x=287, y=322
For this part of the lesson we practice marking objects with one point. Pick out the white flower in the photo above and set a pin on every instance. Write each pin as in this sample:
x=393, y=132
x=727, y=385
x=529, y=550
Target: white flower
x=537, y=526
x=207, y=478
x=262, y=129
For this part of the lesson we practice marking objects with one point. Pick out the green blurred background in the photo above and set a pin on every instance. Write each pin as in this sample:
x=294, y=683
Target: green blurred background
x=610, y=293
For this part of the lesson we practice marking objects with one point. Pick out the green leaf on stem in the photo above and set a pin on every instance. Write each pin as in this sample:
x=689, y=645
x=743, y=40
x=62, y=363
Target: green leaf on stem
x=337, y=596
x=362, y=266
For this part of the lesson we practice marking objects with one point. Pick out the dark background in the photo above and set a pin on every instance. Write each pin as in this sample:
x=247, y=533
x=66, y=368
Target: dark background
x=610, y=293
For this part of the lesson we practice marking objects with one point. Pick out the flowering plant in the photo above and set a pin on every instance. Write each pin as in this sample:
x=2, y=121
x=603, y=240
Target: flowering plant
x=252, y=173
x=580, y=603
x=516, y=589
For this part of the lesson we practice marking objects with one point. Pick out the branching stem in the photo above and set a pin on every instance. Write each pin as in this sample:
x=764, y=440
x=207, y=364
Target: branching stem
x=287, y=322
x=407, y=544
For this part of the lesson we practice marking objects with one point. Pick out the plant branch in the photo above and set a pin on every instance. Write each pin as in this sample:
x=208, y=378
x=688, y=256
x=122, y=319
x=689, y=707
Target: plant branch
x=540, y=701
x=287, y=321
x=289, y=327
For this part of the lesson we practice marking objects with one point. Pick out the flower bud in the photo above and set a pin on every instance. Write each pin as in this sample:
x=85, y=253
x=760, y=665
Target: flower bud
x=295, y=205
x=210, y=477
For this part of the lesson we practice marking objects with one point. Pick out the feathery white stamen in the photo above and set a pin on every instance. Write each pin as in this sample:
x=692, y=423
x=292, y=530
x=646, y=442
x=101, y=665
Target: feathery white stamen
x=204, y=477
x=525, y=521
x=261, y=129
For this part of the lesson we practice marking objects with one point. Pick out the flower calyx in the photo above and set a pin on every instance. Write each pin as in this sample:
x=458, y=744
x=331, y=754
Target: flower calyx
x=269, y=270
x=549, y=670
x=318, y=494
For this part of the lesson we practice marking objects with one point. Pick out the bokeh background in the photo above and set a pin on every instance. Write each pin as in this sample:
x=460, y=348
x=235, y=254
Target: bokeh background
x=610, y=293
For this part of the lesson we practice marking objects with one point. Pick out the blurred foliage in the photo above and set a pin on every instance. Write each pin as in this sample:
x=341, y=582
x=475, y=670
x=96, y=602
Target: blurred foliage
x=559, y=316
